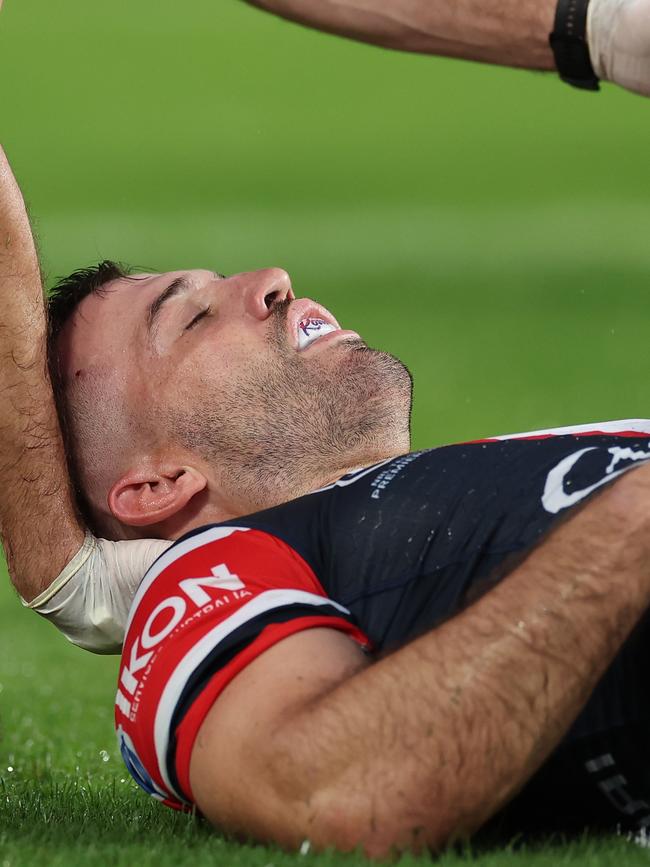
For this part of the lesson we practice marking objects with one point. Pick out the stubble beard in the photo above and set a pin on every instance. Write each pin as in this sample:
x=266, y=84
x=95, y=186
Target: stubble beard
x=288, y=424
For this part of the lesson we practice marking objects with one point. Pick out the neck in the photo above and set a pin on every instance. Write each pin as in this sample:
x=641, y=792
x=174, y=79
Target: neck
x=216, y=505
x=352, y=467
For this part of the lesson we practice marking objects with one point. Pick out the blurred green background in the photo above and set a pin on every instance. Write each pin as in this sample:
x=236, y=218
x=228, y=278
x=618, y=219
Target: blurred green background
x=489, y=226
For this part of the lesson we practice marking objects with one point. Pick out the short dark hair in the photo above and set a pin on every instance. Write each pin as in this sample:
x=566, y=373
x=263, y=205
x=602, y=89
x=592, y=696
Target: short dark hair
x=61, y=302
x=64, y=297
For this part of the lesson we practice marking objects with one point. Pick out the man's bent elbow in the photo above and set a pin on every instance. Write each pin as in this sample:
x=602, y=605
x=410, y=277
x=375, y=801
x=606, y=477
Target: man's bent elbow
x=339, y=820
x=333, y=819
x=376, y=837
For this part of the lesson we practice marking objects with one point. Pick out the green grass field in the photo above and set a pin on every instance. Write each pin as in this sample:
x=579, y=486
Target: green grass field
x=488, y=226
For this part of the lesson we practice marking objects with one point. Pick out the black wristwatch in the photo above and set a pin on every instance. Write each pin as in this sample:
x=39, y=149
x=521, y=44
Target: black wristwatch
x=569, y=43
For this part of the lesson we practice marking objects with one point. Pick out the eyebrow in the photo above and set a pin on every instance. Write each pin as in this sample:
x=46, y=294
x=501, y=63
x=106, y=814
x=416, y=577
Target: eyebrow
x=176, y=287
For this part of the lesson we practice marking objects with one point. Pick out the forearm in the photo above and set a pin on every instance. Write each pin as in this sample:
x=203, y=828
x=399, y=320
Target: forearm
x=495, y=31
x=38, y=523
x=425, y=745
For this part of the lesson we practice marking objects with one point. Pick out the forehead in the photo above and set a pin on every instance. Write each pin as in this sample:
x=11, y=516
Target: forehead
x=102, y=330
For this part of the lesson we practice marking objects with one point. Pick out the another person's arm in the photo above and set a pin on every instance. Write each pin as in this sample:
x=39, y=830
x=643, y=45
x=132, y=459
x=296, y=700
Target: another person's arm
x=493, y=31
x=422, y=747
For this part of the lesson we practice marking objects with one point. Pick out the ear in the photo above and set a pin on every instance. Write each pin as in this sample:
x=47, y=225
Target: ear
x=143, y=497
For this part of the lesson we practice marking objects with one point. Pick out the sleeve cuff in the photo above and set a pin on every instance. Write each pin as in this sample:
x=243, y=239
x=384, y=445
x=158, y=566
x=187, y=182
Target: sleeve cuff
x=87, y=548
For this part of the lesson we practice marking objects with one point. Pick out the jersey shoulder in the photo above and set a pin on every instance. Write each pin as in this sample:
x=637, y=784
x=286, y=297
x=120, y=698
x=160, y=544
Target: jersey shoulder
x=206, y=609
x=630, y=427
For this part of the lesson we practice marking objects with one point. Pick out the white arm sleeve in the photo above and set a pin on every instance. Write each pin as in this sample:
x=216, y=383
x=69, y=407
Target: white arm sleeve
x=90, y=600
x=618, y=34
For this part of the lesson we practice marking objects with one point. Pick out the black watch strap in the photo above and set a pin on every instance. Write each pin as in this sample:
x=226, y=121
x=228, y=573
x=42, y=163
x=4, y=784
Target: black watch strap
x=569, y=43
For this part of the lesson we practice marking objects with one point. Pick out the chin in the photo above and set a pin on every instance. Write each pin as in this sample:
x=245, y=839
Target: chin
x=378, y=396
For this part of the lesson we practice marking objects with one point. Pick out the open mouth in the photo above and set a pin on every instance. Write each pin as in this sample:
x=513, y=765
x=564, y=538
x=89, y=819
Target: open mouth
x=307, y=322
x=310, y=330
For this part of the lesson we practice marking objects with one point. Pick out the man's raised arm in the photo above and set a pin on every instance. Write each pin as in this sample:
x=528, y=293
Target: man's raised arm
x=39, y=526
x=593, y=39
x=83, y=585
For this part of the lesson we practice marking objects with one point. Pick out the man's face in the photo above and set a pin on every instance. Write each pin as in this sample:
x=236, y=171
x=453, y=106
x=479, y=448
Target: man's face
x=260, y=388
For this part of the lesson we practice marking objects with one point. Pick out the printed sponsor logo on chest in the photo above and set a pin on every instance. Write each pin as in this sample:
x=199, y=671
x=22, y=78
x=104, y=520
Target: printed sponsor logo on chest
x=194, y=597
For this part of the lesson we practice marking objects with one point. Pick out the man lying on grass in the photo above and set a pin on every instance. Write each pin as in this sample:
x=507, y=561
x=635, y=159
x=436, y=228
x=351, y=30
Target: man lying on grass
x=348, y=643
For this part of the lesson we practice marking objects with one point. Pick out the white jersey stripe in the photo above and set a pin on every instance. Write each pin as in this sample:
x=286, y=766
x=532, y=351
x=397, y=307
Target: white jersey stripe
x=212, y=534
x=176, y=684
x=638, y=425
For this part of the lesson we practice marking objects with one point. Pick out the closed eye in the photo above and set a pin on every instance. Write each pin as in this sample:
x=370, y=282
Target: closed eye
x=199, y=316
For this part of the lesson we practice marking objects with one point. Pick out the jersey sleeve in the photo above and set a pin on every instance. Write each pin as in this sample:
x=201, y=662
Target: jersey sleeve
x=209, y=606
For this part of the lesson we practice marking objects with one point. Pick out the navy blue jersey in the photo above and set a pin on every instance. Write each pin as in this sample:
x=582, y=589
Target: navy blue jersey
x=407, y=543
x=385, y=553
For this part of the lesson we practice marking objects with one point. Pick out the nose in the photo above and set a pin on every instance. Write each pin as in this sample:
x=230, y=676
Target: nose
x=265, y=288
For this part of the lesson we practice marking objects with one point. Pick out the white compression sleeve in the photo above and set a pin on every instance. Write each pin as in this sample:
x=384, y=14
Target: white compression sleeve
x=618, y=35
x=90, y=600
